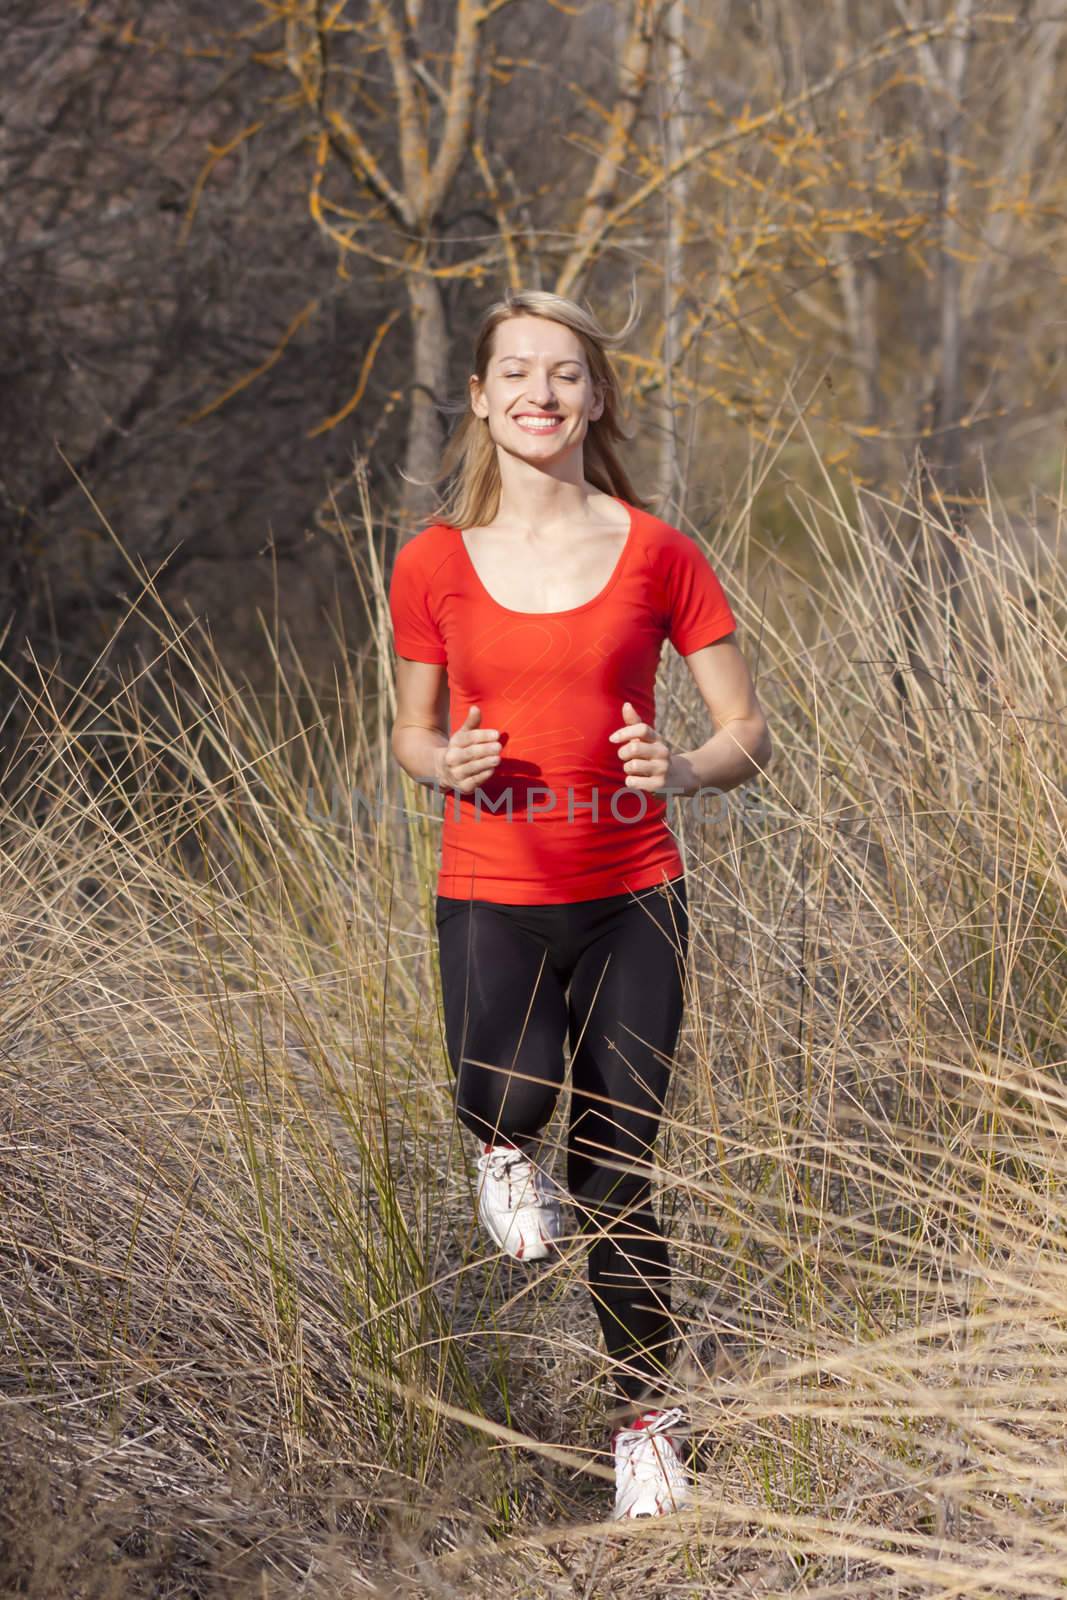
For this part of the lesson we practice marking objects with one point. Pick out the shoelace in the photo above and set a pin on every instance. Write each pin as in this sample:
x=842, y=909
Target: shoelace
x=640, y=1455
x=515, y=1167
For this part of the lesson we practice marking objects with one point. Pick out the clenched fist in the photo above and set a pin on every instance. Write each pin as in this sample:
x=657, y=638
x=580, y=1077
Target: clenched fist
x=471, y=754
x=646, y=760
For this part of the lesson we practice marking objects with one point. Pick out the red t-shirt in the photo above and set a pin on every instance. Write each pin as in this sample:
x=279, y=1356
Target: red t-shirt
x=554, y=683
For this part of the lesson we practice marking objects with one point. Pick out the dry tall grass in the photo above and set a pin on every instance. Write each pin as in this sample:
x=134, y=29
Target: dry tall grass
x=253, y=1343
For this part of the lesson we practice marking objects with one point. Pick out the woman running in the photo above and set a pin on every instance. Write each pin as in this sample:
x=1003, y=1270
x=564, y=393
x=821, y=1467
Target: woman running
x=528, y=624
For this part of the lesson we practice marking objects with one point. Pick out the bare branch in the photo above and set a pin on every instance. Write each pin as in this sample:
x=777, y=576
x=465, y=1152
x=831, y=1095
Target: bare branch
x=633, y=77
x=469, y=18
x=411, y=133
x=892, y=43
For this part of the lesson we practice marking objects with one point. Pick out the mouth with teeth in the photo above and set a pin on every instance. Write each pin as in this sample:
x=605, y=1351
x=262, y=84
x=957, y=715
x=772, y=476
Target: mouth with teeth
x=534, y=424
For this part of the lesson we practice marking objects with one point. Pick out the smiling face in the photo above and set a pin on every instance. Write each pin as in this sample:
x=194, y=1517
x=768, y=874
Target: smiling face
x=538, y=395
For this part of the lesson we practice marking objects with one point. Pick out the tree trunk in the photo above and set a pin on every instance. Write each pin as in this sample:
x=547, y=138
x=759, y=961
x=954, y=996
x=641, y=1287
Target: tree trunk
x=673, y=95
x=948, y=412
x=858, y=283
x=429, y=386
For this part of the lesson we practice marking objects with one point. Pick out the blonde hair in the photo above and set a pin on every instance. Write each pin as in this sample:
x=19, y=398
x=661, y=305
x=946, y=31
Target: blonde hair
x=469, y=461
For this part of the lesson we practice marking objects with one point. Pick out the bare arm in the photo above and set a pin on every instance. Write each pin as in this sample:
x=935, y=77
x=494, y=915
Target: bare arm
x=741, y=745
x=420, y=732
x=420, y=738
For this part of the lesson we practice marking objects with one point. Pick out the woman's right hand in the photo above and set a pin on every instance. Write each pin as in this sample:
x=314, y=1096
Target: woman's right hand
x=471, y=754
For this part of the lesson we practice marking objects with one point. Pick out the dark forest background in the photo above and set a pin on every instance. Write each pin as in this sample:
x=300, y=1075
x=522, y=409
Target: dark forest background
x=244, y=248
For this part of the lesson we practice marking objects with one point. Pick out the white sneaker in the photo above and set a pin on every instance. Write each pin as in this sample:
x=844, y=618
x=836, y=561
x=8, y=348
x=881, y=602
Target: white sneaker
x=518, y=1203
x=650, y=1477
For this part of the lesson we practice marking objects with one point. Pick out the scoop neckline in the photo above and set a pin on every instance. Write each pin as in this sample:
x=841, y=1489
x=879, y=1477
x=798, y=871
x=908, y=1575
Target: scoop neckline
x=571, y=610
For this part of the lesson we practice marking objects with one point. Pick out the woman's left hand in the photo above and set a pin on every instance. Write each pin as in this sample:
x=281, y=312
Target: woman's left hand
x=646, y=758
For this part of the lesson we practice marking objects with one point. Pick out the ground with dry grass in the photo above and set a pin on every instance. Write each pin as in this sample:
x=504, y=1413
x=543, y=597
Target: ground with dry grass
x=253, y=1343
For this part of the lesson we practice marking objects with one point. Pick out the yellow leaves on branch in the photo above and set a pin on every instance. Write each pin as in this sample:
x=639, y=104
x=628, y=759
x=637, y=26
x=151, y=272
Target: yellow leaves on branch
x=125, y=34
x=331, y=20
x=256, y=372
x=364, y=375
x=500, y=211
x=322, y=150
x=218, y=152
x=731, y=403
x=894, y=42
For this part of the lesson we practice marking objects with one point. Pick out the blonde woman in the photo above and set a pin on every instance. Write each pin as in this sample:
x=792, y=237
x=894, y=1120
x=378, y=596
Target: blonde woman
x=528, y=622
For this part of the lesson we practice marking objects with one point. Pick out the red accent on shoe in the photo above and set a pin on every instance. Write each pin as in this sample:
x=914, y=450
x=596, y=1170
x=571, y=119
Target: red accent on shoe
x=642, y=1421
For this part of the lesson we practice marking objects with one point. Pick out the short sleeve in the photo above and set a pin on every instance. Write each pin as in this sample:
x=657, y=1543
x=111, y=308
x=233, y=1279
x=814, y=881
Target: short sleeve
x=415, y=632
x=697, y=611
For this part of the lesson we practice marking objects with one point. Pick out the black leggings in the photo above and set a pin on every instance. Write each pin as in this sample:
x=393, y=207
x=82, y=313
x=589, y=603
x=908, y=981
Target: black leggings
x=515, y=980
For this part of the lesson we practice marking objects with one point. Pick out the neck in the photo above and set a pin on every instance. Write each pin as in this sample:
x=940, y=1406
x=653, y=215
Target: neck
x=530, y=497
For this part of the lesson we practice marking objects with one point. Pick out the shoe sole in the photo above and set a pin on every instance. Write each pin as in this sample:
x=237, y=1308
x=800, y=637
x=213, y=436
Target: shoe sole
x=548, y=1244
x=648, y=1516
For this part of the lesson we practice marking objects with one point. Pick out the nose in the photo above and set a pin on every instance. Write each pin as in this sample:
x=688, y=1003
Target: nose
x=539, y=390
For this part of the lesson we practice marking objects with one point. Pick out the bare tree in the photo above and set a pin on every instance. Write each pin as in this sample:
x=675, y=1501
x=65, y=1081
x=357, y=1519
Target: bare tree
x=673, y=108
x=400, y=101
x=235, y=245
x=125, y=313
